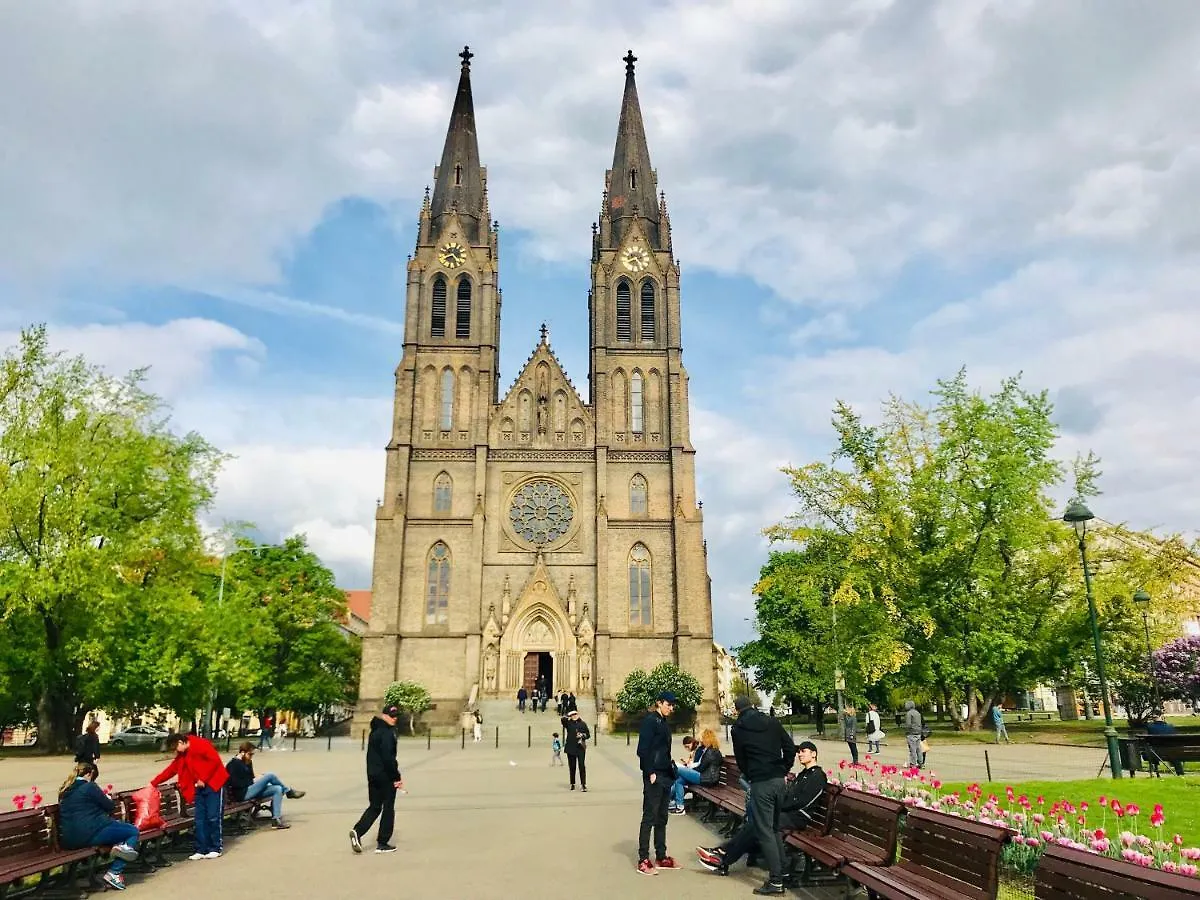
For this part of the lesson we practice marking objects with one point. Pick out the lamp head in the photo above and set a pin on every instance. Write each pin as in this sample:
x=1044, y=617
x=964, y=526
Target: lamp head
x=1078, y=515
x=1141, y=598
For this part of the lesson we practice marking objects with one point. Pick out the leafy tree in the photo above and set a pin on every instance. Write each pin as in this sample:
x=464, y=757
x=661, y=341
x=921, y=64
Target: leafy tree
x=639, y=691
x=98, y=529
x=411, y=697
x=1177, y=669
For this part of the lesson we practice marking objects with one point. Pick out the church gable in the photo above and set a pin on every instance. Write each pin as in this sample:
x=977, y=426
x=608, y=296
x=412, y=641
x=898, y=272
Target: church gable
x=542, y=408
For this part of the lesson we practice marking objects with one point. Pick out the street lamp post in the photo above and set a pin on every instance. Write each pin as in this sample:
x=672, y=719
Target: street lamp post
x=207, y=730
x=1142, y=599
x=1078, y=515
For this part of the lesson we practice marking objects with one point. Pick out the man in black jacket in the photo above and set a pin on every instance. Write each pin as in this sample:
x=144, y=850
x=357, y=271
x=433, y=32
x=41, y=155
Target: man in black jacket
x=658, y=775
x=802, y=806
x=765, y=753
x=577, y=735
x=383, y=780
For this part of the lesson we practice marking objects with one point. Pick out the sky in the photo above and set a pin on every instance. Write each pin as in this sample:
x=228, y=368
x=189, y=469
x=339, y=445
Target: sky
x=865, y=196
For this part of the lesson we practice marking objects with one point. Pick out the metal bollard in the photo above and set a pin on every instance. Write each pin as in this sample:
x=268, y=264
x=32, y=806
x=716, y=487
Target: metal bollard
x=463, y=745
x=295, y=740
x=329, y=743
x=497, y=736
x=429, y=739
x=987, y=761
x=596, y=732
x=626, y=737
x=529, y=736
x=364, y=739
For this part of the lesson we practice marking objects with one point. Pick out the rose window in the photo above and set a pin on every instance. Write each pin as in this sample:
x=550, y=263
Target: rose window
x=541, y=512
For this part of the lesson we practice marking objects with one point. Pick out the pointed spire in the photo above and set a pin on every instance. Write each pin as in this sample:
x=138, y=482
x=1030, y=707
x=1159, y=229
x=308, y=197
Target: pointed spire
x=631, y=183
x=459, y=184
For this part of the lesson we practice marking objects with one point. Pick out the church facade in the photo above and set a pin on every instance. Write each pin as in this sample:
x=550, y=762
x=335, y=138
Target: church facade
x=538, y=536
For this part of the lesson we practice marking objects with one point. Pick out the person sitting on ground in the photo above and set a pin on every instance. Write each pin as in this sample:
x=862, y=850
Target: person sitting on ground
x=85, y=820
x=244, y=786
x=201, y=778
x=802, y=806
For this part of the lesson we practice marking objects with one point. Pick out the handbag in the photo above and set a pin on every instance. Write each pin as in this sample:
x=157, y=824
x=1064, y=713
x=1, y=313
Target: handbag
x=876, y=736
x=924, y=745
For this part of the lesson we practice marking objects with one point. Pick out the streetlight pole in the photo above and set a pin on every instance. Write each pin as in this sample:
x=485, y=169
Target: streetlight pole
x=1142, y=599
x=1078, y=515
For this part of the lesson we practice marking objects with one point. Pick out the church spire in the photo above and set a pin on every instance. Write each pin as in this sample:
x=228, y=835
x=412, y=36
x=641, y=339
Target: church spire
x=460, y=182
x=632, y=192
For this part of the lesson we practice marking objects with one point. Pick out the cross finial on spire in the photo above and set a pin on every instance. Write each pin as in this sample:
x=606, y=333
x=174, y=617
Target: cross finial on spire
x=465, y=56
x=630, y=59
x=545, y=334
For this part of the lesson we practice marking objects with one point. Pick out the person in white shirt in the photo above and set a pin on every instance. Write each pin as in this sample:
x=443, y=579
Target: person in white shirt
x=874, y=732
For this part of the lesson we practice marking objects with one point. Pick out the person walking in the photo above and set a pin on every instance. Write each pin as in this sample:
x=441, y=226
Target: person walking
x=874, y=728
x=556, y=748
x=850, y=730
x=765, y=753
x=998, y=724
x=913, y=726
x=87, y=748
x=576, y=734
x=383, y=780
x=477, y=728
x=201, y=777
x=522, y=696
x=658, y=775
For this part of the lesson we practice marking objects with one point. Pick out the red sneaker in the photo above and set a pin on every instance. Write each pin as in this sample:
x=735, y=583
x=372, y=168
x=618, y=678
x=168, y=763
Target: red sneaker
x=647, y=868
x=667, y=863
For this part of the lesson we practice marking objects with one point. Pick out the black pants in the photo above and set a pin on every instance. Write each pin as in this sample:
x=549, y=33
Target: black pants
x=852, y=743
x=655, y=798
x=381, y=796
x=745, y=839
x=766, y=797
x=579, y=761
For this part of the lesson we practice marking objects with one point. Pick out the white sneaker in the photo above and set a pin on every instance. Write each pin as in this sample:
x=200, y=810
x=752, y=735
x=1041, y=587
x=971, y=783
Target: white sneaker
x=216, y=854
x=196, y=856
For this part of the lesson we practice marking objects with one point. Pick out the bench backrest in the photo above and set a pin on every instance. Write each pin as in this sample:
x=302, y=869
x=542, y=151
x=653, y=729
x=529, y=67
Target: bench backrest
x=954, y=851
x=1172, y=747
x=23, y=831
x=867, y=819
x=1066, y=874
x=824, y=819
x=729, y=772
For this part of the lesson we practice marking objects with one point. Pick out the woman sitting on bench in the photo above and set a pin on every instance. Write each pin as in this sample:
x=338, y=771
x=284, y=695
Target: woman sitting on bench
x=85, y=820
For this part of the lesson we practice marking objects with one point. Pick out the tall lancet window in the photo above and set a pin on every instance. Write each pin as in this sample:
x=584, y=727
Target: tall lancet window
x=640, y=600
x=462, y=321
x=437, y=587
x=443, y=492
x=447, y=405
x=624, y=313
x=437, y=327
x=637, y=407
x=647, y=323
x=639, y=501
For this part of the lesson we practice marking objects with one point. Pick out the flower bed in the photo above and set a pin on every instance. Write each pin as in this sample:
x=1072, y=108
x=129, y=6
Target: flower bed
x=1122, y=832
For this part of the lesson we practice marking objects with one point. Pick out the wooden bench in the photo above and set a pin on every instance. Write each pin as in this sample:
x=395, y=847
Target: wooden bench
x=1066, y=874
x=862, y=828
x=29, y=849
x=1157, y=749
x=942, y=857
x=726, y=796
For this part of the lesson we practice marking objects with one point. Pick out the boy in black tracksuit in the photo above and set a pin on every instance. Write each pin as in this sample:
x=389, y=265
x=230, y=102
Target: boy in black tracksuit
x=383, y=780
x=658, y=776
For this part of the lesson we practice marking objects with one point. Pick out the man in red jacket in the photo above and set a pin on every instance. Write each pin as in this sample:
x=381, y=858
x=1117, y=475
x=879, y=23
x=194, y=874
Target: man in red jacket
x=201, y=777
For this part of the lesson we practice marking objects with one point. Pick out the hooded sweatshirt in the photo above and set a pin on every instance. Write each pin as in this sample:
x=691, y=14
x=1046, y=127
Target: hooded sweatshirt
x=381, y=753
x=913, y=724
x=762, y=747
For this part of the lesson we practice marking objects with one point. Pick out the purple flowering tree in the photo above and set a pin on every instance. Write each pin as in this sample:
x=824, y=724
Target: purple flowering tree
x=1177, y=669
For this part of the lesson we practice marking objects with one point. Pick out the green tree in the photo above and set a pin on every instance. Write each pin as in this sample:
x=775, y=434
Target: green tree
x=640, y=689
x=98, y=535
x=411, y=697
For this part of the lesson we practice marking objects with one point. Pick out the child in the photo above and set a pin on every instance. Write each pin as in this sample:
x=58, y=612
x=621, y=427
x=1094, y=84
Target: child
x=556, y=746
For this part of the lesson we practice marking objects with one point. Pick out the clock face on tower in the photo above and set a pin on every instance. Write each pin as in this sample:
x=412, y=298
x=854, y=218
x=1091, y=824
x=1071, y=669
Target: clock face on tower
x=452, y=255
x=635, y=259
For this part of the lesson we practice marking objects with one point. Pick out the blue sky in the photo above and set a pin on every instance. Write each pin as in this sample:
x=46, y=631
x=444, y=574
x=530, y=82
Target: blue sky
x=864, y=195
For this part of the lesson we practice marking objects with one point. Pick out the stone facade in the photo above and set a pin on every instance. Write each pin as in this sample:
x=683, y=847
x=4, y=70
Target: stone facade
x=536, y=535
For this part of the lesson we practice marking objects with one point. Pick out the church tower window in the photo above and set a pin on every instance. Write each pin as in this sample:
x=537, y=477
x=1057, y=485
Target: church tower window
x=624, y=313
x=637, y=408
x=639, y=503
x=462, y=322
x=437, y=326
x=647, y=323
x=447, y=405
x=437, y=593
x=633, y=179
x=443, y=491
x=639, y=585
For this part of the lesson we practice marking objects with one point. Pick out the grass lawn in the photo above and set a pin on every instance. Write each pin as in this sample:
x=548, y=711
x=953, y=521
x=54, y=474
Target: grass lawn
x=1180, y=798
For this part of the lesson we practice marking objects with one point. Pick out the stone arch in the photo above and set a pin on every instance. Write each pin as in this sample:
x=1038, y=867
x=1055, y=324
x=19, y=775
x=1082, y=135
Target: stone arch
x=560, y=411
x=429, y=395
x=620, y=403
x=525, y=411
x=578, y=431
x=654, y=398
x=466, y=383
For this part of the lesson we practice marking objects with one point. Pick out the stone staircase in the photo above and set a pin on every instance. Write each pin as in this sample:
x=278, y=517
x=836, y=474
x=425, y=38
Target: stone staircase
x=505, y=715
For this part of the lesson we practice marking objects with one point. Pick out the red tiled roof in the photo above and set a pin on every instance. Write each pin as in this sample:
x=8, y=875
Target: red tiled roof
x=360, y=604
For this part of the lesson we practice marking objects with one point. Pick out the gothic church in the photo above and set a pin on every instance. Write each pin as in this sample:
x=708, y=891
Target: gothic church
x=538, y=536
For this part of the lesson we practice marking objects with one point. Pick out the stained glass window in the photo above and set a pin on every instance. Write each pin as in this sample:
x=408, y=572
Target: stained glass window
x=437, y=594
x=639, y=585
x=541, y=512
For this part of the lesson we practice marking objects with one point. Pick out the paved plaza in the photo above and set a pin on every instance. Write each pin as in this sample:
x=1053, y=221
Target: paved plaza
x=477, y=823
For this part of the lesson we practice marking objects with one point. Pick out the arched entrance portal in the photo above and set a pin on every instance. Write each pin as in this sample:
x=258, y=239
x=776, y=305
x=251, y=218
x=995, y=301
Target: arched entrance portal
x=539, y=670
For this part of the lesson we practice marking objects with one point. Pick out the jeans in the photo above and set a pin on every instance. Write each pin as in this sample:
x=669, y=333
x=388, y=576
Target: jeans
x=579, y=760
x=1002, y=731
x=765, y=797
x=381, y=800
x=745, y=786
x=852, y=743
x=914, y=749
x=684, y=777
x=269, y=785
x=654, y=815
x=209, y=813
x=116, y=833
x=264, y=738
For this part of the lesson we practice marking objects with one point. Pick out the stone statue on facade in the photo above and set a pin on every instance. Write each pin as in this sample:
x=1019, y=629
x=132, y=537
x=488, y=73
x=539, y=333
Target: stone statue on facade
x=489, y=667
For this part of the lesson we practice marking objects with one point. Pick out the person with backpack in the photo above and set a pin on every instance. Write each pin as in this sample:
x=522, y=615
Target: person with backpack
x=765, y=753
x=87, y=748
x=874, y=728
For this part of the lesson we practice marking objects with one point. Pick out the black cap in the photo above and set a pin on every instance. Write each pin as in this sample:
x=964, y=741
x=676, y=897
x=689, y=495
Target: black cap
x=742, y=702
x=807, y=745
x=667, y=697
x=391, y=709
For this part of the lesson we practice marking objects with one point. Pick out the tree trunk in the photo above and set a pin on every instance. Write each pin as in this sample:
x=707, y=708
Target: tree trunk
x=951, y=707
x=56, y=718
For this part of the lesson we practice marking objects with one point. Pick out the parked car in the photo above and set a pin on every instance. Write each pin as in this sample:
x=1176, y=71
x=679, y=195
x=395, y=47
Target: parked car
x=138, y=736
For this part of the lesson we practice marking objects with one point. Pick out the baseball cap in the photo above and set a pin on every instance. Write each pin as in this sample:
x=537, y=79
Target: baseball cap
x=391, y=709
x=807, y=745
x=667, y=697
x=573, y=712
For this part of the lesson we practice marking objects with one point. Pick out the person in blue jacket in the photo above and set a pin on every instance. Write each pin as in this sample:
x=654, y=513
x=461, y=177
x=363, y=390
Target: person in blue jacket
x=85, y=820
